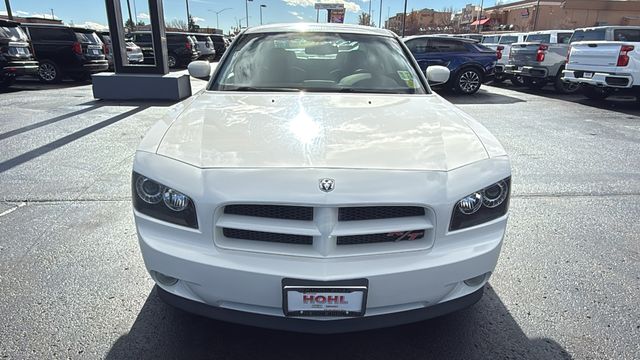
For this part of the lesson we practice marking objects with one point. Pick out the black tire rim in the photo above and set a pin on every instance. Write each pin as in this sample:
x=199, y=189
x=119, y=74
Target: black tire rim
x=47, y=72
x=171, y=61
x=469, y=81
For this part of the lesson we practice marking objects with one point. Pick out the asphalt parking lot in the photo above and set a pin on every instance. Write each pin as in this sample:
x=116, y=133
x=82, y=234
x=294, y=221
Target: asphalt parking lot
x=73, y=283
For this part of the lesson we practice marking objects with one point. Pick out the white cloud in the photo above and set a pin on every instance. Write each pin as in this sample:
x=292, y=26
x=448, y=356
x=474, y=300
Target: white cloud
x=3, y=12
x=294, y=13
x=348, y=5
x=197, y=19
x=201, y=1
x=93, y=25
x=143, y=16
x=45, y=16
x=21, y=13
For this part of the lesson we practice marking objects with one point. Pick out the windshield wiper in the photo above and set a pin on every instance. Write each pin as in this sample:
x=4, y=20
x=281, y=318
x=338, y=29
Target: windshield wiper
x=376, y=91
x=257, y=88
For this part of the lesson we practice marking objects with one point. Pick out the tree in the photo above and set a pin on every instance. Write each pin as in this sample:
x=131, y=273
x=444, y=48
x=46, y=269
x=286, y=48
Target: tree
x=140, y=23
x=364, y=19
x=129, y=25
x=192, y=24
x=177, y=24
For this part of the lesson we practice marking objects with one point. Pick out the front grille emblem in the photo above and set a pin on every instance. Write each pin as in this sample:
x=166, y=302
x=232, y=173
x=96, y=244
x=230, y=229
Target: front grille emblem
x=327, y=185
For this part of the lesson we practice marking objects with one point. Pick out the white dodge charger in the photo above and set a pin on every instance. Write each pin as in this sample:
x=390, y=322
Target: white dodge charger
x=317, y=184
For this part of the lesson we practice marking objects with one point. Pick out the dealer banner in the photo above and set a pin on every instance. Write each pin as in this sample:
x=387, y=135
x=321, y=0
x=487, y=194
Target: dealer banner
x=336, y=16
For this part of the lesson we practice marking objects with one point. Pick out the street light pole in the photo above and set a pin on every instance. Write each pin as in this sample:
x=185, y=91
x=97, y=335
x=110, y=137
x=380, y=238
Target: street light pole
x=188, y=17
x=218, y=13
x=404, y=17
x=369, y=13
x=246, y=9
x=130, y=18
x=380, y=16
x=480, y=16
x=261, y=6
x=8, y=6
x=535, y=21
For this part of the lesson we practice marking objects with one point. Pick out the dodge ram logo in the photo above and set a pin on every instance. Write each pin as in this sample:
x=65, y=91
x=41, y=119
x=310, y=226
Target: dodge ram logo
x=327, y=185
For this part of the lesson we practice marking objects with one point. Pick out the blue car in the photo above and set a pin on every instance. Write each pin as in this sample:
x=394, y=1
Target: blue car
x=470, y=63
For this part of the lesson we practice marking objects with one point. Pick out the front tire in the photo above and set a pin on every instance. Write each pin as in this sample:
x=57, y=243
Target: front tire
x=534, y=83
x=49, y=72
x=596, y=93
x=467, y=81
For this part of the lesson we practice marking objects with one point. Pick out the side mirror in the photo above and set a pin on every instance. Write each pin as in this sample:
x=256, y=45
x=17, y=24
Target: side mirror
x=200, y=70
x=437, y=74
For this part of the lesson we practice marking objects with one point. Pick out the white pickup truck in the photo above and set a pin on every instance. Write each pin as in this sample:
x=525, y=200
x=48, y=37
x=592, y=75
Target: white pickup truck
x=540, y=59
x=502, y=44
x=605, y=60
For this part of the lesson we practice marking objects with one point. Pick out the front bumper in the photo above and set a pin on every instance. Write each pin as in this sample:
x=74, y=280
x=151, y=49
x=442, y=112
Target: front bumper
x=526, y=71
x=622, y=81
x=244, y=287
x=320, y=327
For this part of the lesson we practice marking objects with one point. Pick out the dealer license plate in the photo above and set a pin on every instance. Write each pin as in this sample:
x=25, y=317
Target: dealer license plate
x=588, y=75
x=313, y=298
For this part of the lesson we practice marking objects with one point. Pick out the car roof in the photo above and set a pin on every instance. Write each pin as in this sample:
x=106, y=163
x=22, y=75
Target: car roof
x=8, y=23
x=547, y=32
x=319, y=27
x=455, y=38
x=610, y=27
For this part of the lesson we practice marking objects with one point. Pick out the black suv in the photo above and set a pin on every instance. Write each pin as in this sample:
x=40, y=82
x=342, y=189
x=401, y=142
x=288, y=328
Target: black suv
x=219, y=44
x=62, y=50
x=181, y=48
x=15, y=53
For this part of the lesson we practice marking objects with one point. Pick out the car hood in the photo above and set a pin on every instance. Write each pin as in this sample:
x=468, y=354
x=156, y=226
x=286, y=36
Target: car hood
x=319, y=130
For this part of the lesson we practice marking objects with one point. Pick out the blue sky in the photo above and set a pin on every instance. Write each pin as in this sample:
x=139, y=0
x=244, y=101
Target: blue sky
x=93, y=11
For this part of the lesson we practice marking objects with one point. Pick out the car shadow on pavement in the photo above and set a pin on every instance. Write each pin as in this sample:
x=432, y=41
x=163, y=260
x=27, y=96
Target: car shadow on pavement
x=623, y=104
x=486, y=330
x=481, y=97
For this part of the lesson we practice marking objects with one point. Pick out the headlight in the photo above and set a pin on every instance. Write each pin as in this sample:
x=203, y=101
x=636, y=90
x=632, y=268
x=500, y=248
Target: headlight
x=481, y=206
x=162, y=202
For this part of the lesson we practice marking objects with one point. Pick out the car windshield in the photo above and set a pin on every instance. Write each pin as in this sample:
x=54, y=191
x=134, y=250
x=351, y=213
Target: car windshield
x=91, y=38
x=322, y=62
x=508, y=39
x=588, y=35
x=545, y=38
x=490, y=39
x=13, y=33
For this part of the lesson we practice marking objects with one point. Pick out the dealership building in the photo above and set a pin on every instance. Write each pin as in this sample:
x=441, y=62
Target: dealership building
x=566, y=14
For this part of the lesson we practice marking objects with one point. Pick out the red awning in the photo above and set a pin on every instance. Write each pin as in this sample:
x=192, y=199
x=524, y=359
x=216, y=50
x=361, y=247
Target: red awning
x=482, y=22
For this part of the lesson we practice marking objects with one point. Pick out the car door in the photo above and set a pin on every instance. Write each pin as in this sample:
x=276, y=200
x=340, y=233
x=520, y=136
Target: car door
x=423, y=52
x=448, y=52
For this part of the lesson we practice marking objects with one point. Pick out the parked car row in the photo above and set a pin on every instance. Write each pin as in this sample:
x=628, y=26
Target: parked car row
x=599, y=61
x=182, y=48
x=54, y=52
